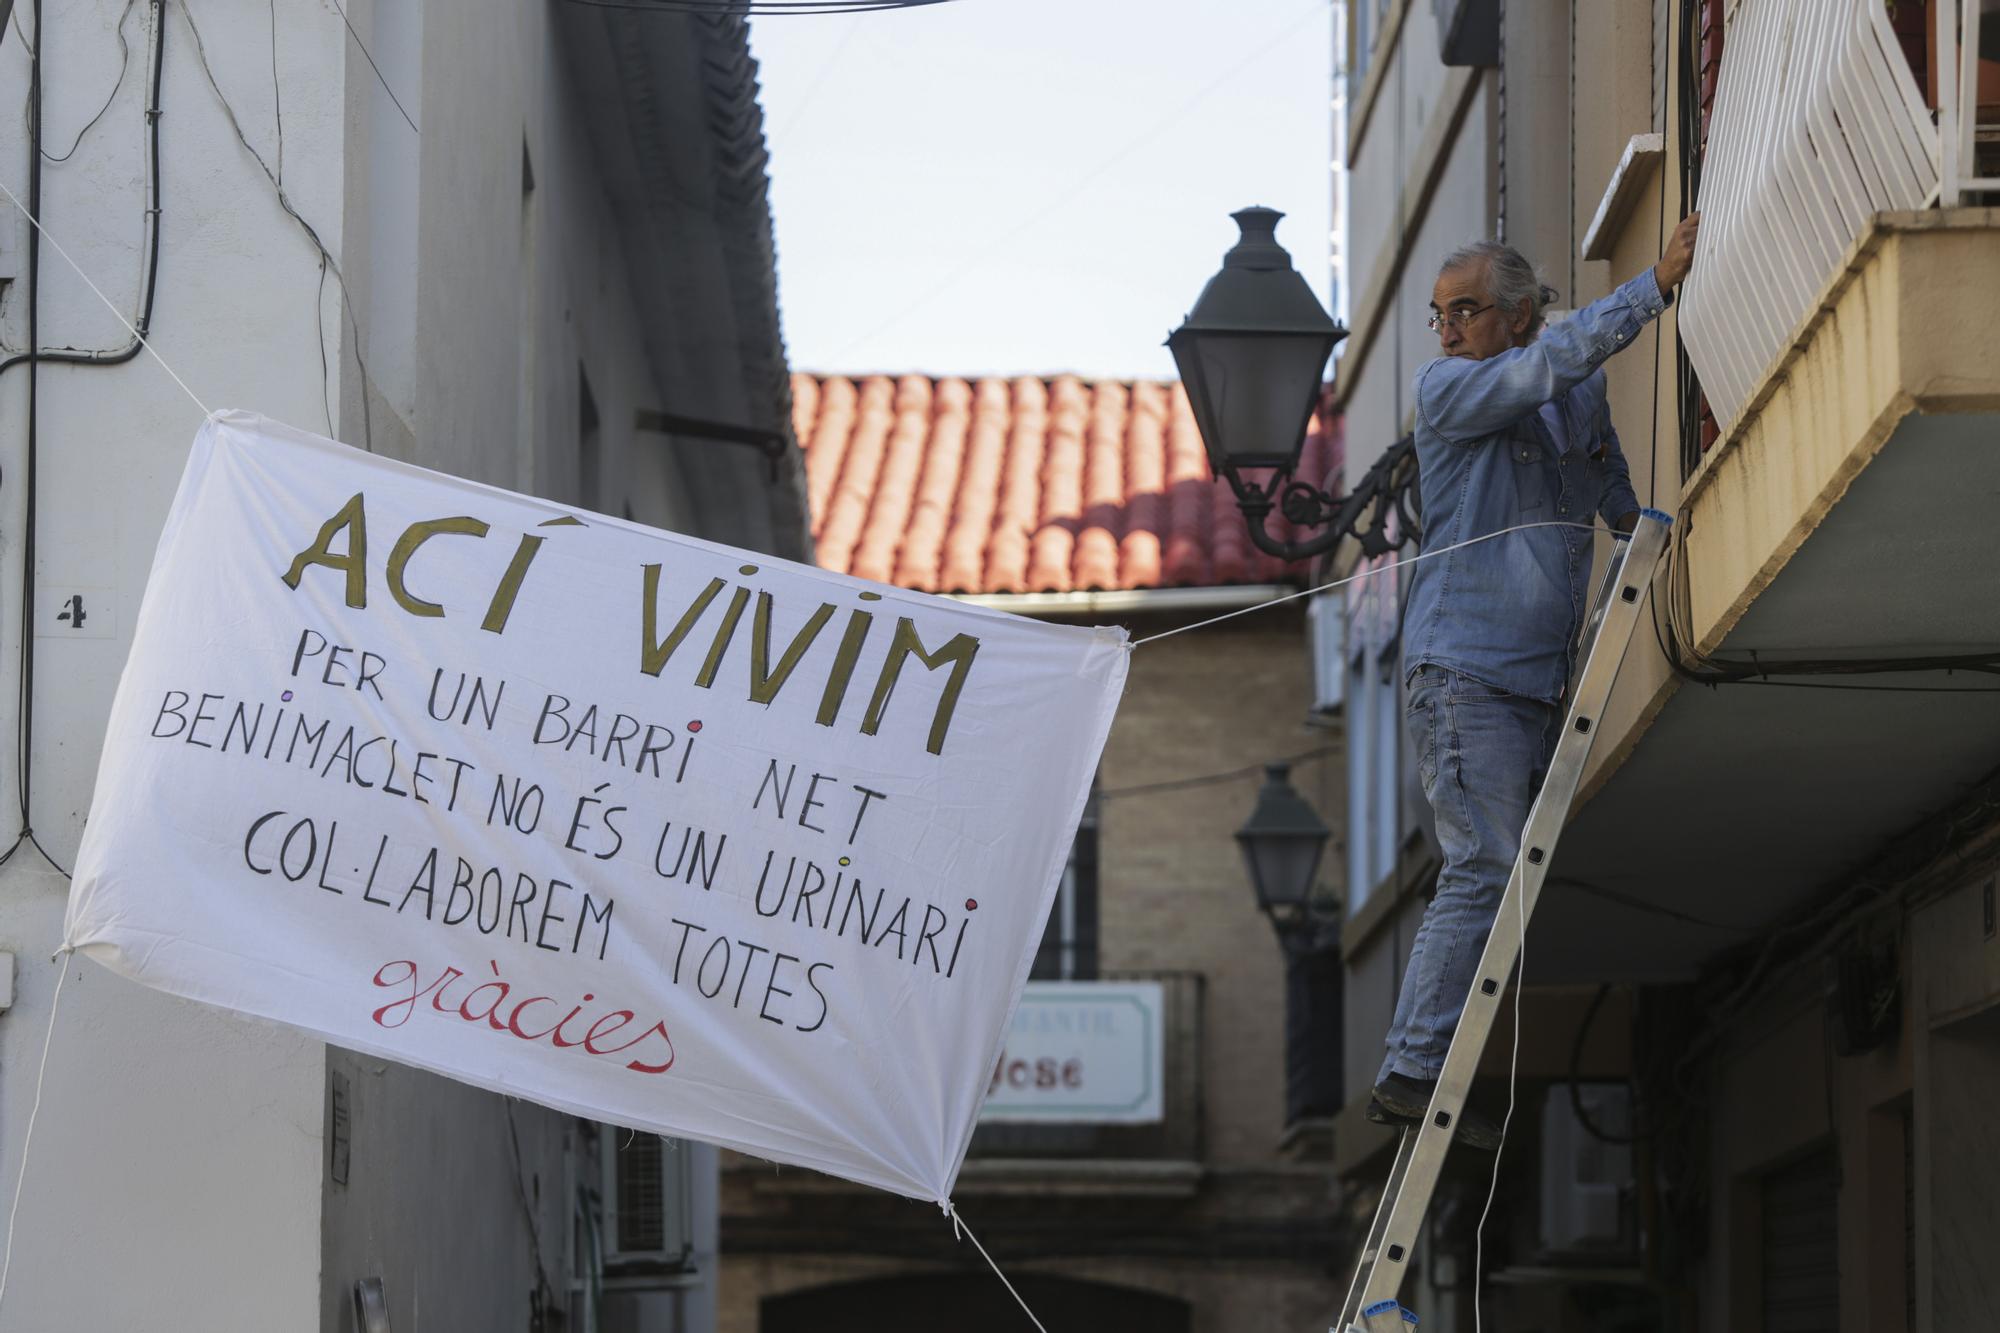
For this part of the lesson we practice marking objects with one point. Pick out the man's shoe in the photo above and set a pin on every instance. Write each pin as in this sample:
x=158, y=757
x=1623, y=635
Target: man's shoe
x=1403, y=1102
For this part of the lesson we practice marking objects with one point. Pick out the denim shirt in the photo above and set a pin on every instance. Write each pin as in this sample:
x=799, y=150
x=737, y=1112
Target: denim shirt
x=1508, y=612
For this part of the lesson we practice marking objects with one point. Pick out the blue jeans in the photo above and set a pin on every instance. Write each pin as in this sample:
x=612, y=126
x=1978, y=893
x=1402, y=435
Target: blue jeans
x=1482, y=754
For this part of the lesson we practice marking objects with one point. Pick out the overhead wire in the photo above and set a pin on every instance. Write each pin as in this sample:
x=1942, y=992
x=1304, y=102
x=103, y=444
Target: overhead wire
x=327, y=259
x=1212, y=779
x=142, y=318
x=24, y=728
x=380, y=78
x=546, y=1289
x=826, y=68
x=124, y=64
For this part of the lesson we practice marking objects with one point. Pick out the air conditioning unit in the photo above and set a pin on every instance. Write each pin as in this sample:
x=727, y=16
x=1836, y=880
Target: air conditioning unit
x=648, y=1204
x=1586, y=1181
x=1326, y=626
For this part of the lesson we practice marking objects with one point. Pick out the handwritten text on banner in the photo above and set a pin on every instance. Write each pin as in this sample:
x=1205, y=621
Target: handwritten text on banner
x=643, y=828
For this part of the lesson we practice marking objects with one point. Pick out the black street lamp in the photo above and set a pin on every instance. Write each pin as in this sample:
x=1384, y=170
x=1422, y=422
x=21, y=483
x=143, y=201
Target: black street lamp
x=1282, y=842
x=1250, y=355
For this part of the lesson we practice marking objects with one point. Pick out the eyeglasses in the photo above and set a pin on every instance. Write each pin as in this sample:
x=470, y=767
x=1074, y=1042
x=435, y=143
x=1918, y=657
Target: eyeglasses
x=1462, y=318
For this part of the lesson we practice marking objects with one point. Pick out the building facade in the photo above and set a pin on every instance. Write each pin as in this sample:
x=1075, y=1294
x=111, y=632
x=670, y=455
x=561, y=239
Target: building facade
x=525, y=244
x=1090, y=502
x=1761, y=979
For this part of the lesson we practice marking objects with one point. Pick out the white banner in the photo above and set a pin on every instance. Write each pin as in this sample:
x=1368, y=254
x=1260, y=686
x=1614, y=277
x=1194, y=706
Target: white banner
x=643, y=828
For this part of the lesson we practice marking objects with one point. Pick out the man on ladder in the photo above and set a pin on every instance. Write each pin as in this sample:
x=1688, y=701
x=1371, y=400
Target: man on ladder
x=1512, y=428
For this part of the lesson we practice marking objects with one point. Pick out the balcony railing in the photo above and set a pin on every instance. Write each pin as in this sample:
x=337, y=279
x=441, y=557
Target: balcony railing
x=1818, y=125
x=1176, y=1137
x=1960, y=83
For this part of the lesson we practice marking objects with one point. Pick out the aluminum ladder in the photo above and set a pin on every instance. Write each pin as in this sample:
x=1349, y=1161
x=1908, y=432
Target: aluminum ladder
x=1371, y=1305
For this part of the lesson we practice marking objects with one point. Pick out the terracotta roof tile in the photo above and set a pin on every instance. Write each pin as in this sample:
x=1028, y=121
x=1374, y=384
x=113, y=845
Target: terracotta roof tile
x=836, y=400
x=1026, y=485
x=1187, y=551
x=1146, y=480
x=978, y=500
x=896, y=484
x=923, y=538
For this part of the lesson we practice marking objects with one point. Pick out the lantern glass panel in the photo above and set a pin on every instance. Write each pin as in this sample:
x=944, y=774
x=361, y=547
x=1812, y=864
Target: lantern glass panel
x=1255, y=392
x=1282, y=866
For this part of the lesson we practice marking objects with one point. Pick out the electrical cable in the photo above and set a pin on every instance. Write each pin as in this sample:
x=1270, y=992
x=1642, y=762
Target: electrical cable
x=826, y=68
x=1659, y=332
x=1642, y=905
x=1577, y=1108
x=1835, y=917
x=141, y=322
x=24, y=731
x=285, y=203
x=380, y=78
x=521, y=1194
x=1211, y=779
x=124, y=63
x=277, y=94
x=1572, y=247
x=1877, y=689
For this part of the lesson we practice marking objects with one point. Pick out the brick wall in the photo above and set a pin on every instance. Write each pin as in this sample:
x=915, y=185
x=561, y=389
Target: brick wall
x=1172, y=885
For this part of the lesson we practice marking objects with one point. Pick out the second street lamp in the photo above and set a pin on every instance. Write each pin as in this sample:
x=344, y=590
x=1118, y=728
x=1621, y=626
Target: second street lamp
x=1282, y=843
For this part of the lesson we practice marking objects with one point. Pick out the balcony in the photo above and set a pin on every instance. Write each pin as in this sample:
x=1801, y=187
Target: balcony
x=1162, y=1156
x=1841, y=323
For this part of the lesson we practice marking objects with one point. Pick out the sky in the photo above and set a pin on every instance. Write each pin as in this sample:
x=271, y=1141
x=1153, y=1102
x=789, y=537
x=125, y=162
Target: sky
x=1033, y=186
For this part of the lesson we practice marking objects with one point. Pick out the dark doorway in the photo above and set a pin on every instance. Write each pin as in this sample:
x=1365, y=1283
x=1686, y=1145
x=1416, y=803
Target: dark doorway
x=1801, y=1251
x=971, y=1302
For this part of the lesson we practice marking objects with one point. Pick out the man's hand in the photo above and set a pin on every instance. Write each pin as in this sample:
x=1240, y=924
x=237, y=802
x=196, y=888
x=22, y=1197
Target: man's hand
x=1627, y=522
x=1679, y=256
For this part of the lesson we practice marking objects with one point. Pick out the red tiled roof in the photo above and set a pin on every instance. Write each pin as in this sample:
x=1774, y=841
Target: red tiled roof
x=1025, y=485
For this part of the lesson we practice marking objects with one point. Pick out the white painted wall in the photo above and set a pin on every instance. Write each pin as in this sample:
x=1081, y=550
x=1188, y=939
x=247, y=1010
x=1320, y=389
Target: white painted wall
x=176, y=1160
x=1556, y=169
x=179, y=1175
x=1382, y=175
x=1379, y=408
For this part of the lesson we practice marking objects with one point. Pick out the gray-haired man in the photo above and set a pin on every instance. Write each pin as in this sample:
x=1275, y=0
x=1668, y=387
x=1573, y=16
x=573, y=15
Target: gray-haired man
x=1512, y=429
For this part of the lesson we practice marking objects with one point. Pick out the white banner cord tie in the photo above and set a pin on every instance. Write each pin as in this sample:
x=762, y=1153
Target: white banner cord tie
x=1366, y=573
x=959, y=1228
x=63, y=956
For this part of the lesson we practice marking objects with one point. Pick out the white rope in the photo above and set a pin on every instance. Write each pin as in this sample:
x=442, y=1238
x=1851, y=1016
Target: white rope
x=1366, y=573
x=958, y=1227
x=129, y=326
x=1513, y=1076
x=21, y=1177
